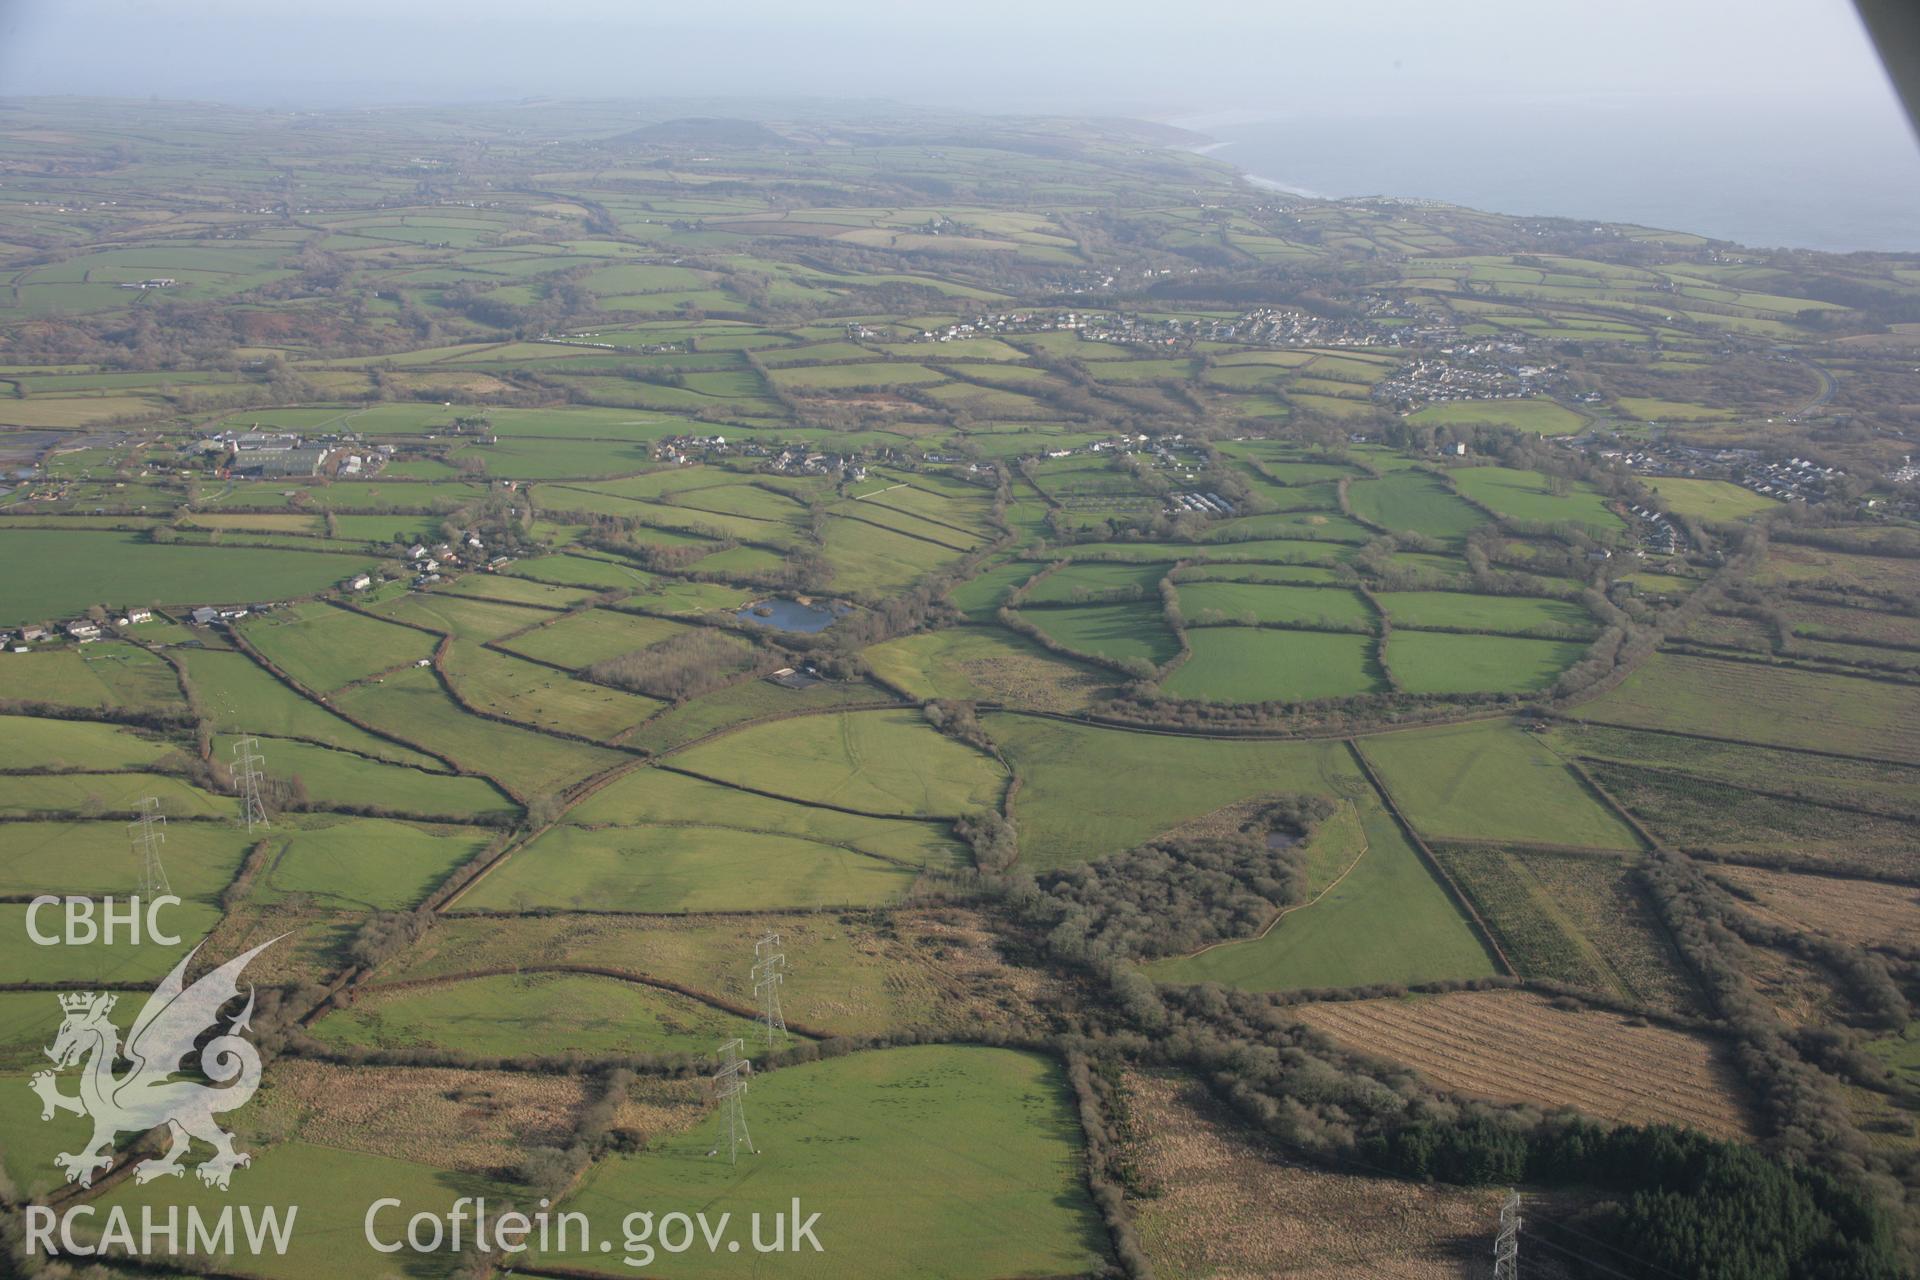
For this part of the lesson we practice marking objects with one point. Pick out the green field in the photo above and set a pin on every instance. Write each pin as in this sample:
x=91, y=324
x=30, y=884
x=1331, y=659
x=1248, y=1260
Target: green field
x=1709, y=499
x=343, y=778
x=107, y=674
x=242, y=697
x=1389, y=920
x=1261, y=664
x=99, y=794
x=687, y=868
x=931, y=1160
x=59, y=573
x=1767, y=705
x=1511, y=615
x=880, y=762
x=582, y=639
x=1417, y=501
x=549, y=1014
x=1333, y=608
x=988, y=664
x=93, y=857
x=331, y=1188
x=1530, y=497
x=1079, y=583
x=413, y=707
x=367, y=864
x=324, y=648
x=531, y=694
x=33, y=743
x=1491, y=781
x=1531, y=414
x=1442, y=662
x=1082, y=794
x=1116, y=632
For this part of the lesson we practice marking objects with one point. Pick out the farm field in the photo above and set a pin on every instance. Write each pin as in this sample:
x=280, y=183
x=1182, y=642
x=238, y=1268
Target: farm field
x=1710, y=499
x=1531, y=497
x=341, y=777
x=35, y=742
x=1516, y=1046
x=1508, y=615
x=850, y=973
x=1078, y=800
x=687, y=868
x=880, y=762
x=1261, y=664
x=1416, y=501
x=1867, y=913
x=966, y=1127
x=1767, y=705
x=324, y=648
x=370, y=864
x=327, y=1184
x=499, y=684
x=92, y=858
x=1573, y=917
x=1694, y=813
x=1386, y=920
x=1327, y=607
x=1116, y=632
x=1491, y=781
x=1440, y=662
x=550, y=1014
x=242, y=697
x=60, y=573
x=111, y=674
x=987, y=664
x=414, y=708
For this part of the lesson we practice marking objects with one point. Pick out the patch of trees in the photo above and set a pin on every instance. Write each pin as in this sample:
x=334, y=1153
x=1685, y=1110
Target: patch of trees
x=551, y=1169
x=1808, y=1120
x=1682, y=1203
x=1105, y=1121
x=958, y=721
x=1174, y=894
x=679, y=667
x=993, y=837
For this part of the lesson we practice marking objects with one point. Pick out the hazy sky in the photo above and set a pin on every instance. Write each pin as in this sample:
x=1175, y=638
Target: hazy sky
x=1164, y=58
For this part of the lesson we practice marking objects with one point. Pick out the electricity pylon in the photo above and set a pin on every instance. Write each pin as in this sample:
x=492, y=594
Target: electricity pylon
x=769, y=974
x=730, y=1086
x=149, y=832
x=1506, y=1246
x=248, y=775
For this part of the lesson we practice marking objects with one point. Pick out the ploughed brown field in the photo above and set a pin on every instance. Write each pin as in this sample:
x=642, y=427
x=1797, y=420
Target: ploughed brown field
x=1864, y=912
x=1514, y=1046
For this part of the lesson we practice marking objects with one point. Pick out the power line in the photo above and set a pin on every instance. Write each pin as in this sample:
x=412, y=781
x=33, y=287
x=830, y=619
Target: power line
x=1583, y=1259
x=1637, y=1259
x=1506, y=1246
x=148, y=832
x=248, y=775
x=730, y=1086
x=769, y=975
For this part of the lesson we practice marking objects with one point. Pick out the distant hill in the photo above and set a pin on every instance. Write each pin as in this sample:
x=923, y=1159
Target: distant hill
x=702, y=131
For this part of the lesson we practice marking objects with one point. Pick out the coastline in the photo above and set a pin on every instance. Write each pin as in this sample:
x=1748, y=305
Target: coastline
x=1265, y=184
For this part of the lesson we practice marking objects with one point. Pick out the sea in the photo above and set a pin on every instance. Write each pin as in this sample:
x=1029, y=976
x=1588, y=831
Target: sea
x=1797, y=181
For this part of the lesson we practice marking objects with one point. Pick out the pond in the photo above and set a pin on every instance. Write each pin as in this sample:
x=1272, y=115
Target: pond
x=786, y=614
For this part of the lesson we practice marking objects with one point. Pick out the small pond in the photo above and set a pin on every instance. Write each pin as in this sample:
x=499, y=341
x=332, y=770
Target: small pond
x=786, y=614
